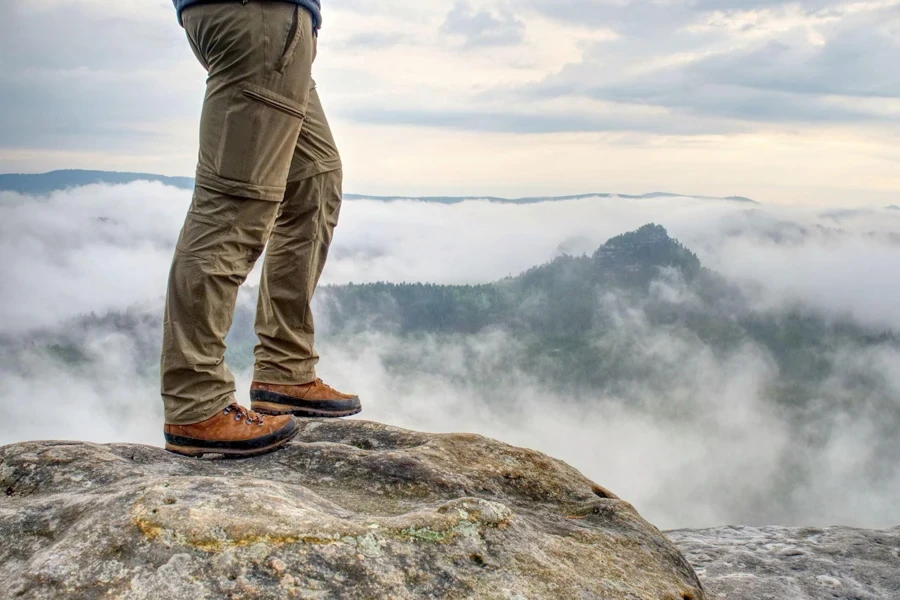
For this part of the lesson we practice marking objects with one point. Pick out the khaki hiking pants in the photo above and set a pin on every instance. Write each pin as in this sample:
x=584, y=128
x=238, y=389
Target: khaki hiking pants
x=268, y=171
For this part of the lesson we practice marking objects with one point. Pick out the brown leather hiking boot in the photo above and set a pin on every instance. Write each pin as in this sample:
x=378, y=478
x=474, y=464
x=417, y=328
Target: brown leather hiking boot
x=235, y=431
x=315, y=399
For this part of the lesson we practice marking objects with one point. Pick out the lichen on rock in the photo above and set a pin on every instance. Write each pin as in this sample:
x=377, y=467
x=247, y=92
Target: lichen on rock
x=350, y=510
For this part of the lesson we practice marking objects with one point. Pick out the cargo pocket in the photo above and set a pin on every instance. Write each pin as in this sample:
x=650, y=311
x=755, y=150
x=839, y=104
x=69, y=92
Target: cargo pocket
x=259, y=135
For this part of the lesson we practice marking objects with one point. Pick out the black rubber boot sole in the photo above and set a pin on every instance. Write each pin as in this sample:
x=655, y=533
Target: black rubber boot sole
x=272, y=403
x=244, y=449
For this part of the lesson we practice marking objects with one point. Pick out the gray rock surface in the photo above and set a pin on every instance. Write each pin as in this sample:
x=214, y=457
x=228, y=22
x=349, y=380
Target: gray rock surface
x=351, y=510
x=783, y=563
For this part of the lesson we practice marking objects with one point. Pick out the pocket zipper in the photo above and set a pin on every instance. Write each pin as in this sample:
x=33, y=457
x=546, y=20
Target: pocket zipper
x=283, y=107
x=288, y=55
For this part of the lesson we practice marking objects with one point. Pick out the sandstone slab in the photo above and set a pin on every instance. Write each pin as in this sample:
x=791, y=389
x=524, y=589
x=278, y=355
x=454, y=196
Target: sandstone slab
x=351, y=510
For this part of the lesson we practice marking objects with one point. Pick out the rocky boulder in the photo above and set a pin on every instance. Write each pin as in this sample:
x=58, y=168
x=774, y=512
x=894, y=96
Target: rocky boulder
x=351, y=510
x=795, y=563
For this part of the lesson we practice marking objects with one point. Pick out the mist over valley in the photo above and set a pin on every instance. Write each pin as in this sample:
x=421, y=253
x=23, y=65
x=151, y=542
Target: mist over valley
x=713, y=361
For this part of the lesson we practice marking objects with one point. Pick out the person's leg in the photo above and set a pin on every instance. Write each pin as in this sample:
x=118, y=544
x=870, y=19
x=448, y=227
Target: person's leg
x=284, y=378
x=295, y=258
x=259, y=58
x=294, y=261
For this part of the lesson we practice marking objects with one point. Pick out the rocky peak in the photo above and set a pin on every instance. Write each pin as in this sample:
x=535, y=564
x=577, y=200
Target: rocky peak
x=632, y=259
x=637, y=256
x=350, y=510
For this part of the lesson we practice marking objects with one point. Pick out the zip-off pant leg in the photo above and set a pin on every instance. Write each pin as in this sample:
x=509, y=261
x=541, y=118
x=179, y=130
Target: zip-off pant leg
x=294, y=261
x=221, y=240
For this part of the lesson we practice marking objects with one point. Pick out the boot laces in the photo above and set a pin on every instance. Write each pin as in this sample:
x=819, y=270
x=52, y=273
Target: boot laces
x=240, y=413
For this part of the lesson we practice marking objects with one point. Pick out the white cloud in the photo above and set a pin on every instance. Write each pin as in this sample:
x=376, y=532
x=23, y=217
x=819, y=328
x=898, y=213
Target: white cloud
x=107, y=247
x=88, y=249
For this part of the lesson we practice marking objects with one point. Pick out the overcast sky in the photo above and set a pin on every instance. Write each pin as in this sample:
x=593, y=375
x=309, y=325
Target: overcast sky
x=787, y=102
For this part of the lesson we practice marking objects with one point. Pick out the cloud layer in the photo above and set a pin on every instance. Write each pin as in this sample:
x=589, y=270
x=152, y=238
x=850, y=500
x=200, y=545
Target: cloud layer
x=101, y=247
x=695, y=445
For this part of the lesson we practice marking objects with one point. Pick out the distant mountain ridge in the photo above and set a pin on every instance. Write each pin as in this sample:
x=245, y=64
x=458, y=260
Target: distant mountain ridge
x=537, y=199
x=45, y=183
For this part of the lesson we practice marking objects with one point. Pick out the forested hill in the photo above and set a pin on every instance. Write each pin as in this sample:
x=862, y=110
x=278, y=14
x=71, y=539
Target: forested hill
x=603, y=320
x=584, y=319
x=559, y=295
